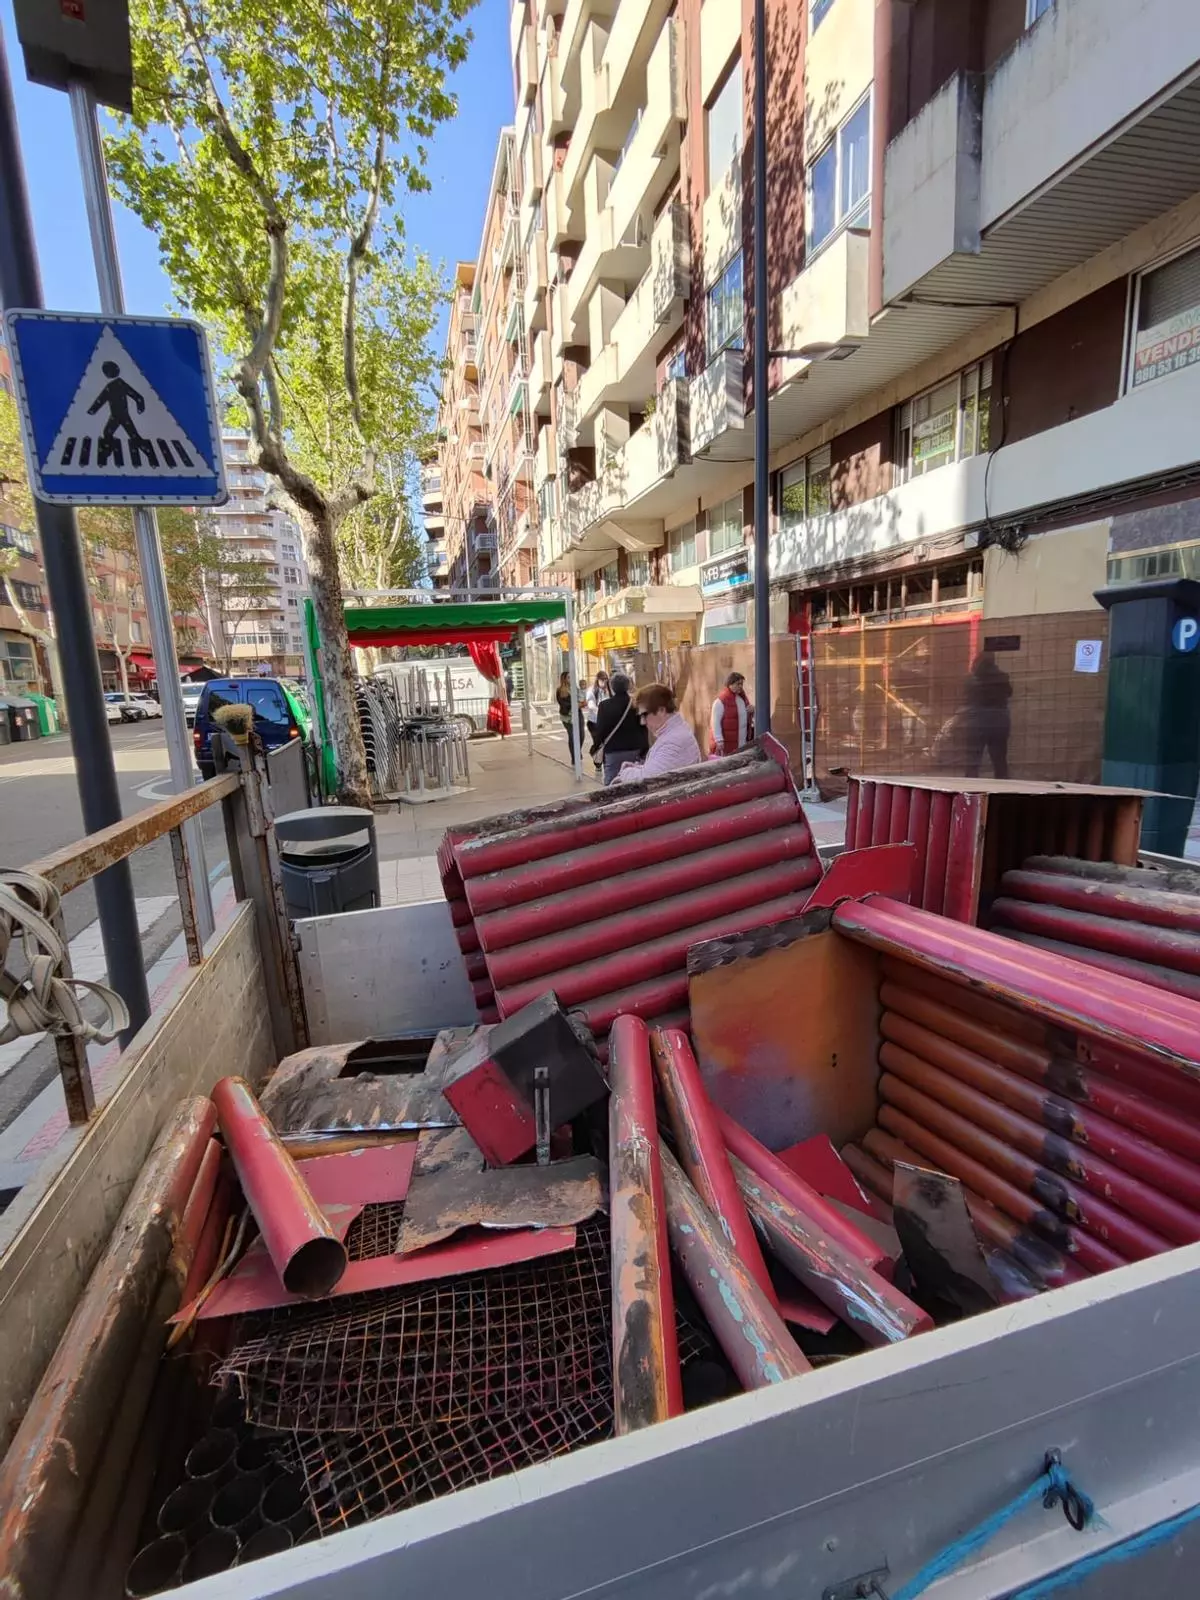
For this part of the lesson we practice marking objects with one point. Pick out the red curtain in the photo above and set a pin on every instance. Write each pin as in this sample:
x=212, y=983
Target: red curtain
x=487, y=658
x=366, y=637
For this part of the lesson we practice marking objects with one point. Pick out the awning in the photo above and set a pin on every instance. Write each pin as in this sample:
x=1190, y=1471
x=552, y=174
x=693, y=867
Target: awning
x=142, y=664
x=452, y=622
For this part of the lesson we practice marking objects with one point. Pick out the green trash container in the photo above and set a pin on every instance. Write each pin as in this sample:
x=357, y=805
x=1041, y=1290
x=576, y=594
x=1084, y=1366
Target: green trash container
x=47, y=713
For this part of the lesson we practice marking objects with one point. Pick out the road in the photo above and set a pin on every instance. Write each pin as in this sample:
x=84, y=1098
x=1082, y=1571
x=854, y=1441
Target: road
x=40, y=812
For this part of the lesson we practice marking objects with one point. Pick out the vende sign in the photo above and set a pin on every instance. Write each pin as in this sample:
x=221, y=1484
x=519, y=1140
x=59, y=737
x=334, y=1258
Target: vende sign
x=1167, y=347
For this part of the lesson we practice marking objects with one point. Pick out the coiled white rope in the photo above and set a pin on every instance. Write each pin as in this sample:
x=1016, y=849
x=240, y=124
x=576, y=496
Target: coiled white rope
x=45, y=1001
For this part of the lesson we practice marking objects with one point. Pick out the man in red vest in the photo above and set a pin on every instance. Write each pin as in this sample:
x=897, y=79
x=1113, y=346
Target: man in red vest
x=731, y=724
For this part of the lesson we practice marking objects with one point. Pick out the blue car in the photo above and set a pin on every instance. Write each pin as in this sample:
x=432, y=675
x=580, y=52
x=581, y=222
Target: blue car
x=280, y=713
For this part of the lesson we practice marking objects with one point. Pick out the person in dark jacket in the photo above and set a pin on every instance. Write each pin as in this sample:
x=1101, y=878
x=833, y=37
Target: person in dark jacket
x=620, y=734
x=987, y=716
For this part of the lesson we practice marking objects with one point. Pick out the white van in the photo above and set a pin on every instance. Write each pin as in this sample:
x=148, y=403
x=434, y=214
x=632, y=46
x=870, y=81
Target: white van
x=438, y=682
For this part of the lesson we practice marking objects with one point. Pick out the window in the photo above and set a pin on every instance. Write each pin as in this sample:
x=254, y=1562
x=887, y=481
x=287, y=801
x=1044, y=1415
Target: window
x=16, y=539
x=676, y=366
x=804, y=489
x=948, y=423
x=1166, y=320
x=725, y=530
x=291, y=575
x=28, y=594
x=637, y=569
x=610, y=579
x=725, y=310
x=135, y=632
x=1035, y=9
x=839, y=180
x=681, y=547
x=723, y=125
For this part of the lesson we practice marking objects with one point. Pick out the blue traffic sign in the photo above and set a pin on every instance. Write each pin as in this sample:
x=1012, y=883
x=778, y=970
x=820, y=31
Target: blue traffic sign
x=116, y=410
x=1185, y=635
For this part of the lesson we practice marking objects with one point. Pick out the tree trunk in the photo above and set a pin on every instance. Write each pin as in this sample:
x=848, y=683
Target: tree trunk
x=337, y=665
x=124, y=668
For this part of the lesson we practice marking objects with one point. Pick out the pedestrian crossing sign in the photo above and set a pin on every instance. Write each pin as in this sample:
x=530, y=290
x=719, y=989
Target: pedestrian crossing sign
x=116, y=410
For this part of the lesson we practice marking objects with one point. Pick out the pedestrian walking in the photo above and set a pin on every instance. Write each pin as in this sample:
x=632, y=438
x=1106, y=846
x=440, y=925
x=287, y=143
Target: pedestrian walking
x=987, y=716
x=731, y=721
x=674, y=744
x=573, y=729
x=595, y=696
x=619, y=734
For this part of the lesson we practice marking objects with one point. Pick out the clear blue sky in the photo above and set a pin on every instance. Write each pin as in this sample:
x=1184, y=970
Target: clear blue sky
x=445, y=222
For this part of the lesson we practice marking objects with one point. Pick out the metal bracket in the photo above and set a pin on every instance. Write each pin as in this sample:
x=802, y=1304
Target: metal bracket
x=866, y=1585
x=541, y=1113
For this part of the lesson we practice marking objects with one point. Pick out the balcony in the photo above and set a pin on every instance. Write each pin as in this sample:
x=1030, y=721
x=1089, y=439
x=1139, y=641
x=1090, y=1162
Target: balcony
x=526, y=66
x=437, y=561
x=546, y=462
x=567, y=414
x=483, y=539
x=551, y=101
x=717, y=404
x=536, y=281
x=824, y=308
x=435, y=524
x=576, y=17
x=431, y=490
x=645, y=605
x=624, y=372
x=518, y=390
x=540, y=373
x=650, y=159
x=1081, y=133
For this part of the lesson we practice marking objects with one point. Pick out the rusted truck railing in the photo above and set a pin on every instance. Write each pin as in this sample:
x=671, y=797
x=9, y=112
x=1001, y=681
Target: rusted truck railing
x=254, y=869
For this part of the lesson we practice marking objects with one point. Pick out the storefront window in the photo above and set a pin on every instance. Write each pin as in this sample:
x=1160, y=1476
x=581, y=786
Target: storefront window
x=947, y=423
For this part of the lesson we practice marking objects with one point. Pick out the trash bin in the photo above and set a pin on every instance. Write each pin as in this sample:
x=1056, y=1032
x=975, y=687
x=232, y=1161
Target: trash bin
x=5, y=726
x=47, y=713
x=325, y=867
x=22, y=718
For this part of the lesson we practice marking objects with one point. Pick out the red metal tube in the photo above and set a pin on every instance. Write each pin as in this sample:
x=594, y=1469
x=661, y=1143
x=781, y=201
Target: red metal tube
x=626, y=813
x=1090, y=1253
x=881, y=820
x=994, y=1014
x=964, y=857
x=702, y=1149
x=476, y=966
x=639, y=1000
x=852, y=796
x=645, y=1347
x=877, y=1312
x=918, y=832
x=515, y=925
x=798, y=1194
x=865, y=824
x=1132, y=1239
x=871, y=1173
x=1165, y=947
x=1053, y=1147
x=1048, y=1265
x=744, y=1322
x=933, y=893
x=1163, y=1171
x=1165, y=978
x=1155, y=908
x=651, y=918
x=1136, y=1071
x=199, y=1204
x=633, y=963
x=1049, y=986
x=1172, y=880
x=1064, y=1075
x=307, y=1254
x=898, y=818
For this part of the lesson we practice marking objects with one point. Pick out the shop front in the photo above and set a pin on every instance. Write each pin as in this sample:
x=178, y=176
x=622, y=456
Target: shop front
x=727, y=585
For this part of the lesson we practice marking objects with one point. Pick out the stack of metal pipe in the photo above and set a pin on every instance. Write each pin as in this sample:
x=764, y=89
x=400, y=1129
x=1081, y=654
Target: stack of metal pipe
x=599, y=898
x=1070, y=1165
x=1143, y=924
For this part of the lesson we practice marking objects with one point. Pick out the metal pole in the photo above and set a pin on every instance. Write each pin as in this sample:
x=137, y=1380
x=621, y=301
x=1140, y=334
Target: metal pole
x=577, y=737
x=762, y=433
x=62, y=558
x=145, y=523
x=528, y=690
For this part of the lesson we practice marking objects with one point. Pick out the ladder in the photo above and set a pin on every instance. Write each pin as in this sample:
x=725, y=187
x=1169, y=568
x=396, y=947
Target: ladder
x=806, y=716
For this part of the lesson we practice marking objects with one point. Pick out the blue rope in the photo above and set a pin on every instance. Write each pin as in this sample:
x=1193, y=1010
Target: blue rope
x=1052, y=1488
x=1135, y=1545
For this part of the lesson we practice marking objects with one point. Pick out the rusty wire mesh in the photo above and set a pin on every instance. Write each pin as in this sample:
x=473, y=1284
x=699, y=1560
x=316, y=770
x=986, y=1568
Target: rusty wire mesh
x=496, y=1343
x=375, y=1231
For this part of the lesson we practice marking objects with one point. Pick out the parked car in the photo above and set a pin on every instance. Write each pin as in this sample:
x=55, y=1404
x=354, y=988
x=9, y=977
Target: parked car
x=280, y=713
x=129, y=707
x=191, y=699
x=114, y=708
x=148, y=703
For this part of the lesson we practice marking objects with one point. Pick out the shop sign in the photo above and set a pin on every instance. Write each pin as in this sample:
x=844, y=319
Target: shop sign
x=596, y=640
x=727, y=572
x=1167, y=347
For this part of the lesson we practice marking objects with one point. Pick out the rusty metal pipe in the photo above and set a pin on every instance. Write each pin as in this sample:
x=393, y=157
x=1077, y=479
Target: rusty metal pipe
x=993, y=1013
x=868, y=1171
x=1158, y=977
x=646, y=1380
x=1160, y=1168
x=1053, y=1147
x=799, y=1195
x=1073, y=1242
x=743, y=1320
x=864, y=822
x=702, y=1150
x=156, y=1567
x=1057, y=1193
x=47, y=1472
x=307, y=1254
x=1137, y=941
x=1172, y=880
x=199, y=1204
x=1159, y=908
x=877, y=1312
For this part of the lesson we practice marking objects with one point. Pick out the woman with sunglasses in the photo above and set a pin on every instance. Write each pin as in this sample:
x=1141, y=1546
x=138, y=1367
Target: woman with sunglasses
x=674, y=743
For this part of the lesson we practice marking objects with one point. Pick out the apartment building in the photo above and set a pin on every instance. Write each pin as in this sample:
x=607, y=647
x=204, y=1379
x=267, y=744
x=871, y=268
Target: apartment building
x=984, y=297
x=24, y=612
x=467, y=500
x=433, y=509
x=255, y=625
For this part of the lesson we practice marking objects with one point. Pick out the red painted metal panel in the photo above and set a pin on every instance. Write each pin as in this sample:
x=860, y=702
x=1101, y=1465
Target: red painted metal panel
x=1163, y=978
x=880, y=869
x=1166, y=947
x=918, y=832
x=642, y=847
x=702, y=1149
x=898, y=821
x=370, y=1176
x=865, y=824
x=964, y=857
x=1054, y=1150
x=1091, y=1253
x=852, y=794
x=635, y=963
x=934, y=892
x=306, y=1251
x=651, y=918
x=650, y=999
x=514, y=925
x=1152, y=907
x=1063, y=1075
x=1059, y=1194
x=645, y=1347
x=881, y=820
x=818, y=1164
x=1115, y=1011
